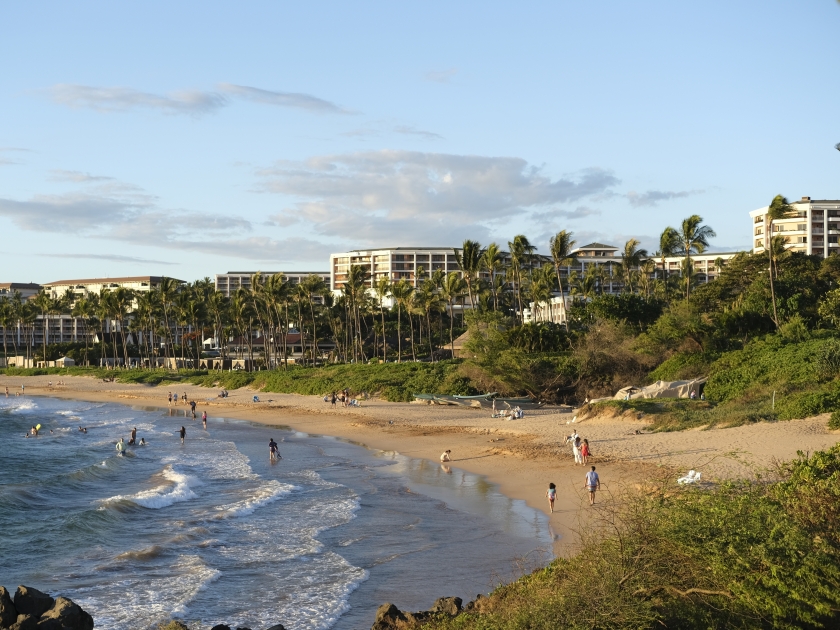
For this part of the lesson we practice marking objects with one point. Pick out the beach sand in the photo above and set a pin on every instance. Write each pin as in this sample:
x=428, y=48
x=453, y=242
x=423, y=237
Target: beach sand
x=520, y=456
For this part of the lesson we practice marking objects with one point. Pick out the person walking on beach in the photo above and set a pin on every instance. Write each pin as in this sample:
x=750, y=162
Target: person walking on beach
x=584, y=451
x=192, y=408
x=551, y=493
x=333, y=399
x=592, y=483
x=272, y=450
x=170, y=399
x=7, y=391
x=204, y=418
x=183, y=434
x=445, y=456
x=576, y=450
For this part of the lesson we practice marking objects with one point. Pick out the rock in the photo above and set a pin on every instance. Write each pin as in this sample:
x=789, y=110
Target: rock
x=278, y=626
x=25, y=622
x=449, y=605
x=50, y=624
x=8, y=612
x=69, y=615
x=220, y=626
x=477, y=605
x=31, y=601
x=176, y=625
x=387, y=616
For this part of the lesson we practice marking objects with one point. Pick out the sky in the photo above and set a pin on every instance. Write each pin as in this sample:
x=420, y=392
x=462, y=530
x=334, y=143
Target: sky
x=194, y=138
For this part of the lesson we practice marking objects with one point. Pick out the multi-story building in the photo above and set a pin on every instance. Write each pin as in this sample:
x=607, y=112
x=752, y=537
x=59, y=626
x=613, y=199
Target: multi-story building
x=228, y=283
x=26, y=289
x=86, y=286
x=813, y=227
x=396, y=263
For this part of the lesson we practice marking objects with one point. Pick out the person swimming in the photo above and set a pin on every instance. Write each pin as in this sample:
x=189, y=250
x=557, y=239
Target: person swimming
x=142, y=441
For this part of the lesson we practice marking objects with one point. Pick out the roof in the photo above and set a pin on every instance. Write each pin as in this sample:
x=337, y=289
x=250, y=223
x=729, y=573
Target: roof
x=19, y=285
x=398, y=249
x=596, y=246
x=271, y=273
x=104, y=280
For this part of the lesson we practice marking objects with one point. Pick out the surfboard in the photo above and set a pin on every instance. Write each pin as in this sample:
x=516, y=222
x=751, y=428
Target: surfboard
x=37, y=427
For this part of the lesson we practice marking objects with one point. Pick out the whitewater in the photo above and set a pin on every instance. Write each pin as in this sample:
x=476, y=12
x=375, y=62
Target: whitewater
x=212, y=531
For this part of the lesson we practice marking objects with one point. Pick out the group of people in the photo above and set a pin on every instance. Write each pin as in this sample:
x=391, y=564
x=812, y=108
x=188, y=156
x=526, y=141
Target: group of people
x=591, y=483
x=580, y=448
x=20, y=393
x=342, y=397
x=122, y=444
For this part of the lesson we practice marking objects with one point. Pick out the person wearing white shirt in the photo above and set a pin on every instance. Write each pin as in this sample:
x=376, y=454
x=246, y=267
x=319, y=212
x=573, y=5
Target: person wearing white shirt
x=592, y=483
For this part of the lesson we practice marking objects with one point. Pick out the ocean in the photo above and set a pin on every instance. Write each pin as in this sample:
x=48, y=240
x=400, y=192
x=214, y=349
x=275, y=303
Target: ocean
x=212, y=531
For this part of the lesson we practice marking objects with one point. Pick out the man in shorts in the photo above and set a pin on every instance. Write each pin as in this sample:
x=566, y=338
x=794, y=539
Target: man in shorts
x=592, y=483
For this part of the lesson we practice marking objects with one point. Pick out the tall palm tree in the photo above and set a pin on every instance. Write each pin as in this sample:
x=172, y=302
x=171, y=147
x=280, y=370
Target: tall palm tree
x=382, y=289
x=561, y=246
x=631, y=258
x=778, y=209
x=469, y=260
x=694, y=239
x=402, y=292
x=6, y=318
x=315, y=287
x=493, y=261
x=521, y=251
x=453, y=288
x=669, y=244
x=646, y=269
x=44, y=302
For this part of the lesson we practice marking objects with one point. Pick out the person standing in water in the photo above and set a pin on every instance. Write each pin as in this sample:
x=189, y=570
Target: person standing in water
x=133, y=436
x=272, y=450
x=551, y=494
x=204, y=418
x=183, y=434
x=120, y=447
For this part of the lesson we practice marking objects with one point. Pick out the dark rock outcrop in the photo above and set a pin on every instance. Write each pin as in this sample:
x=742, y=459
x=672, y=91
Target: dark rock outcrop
x=68, y=615
x=31, y=601
x=8, y=612
x=448, y=605
x=278, y=626
x=25, y=622
x=387, y=616
x=220, y=626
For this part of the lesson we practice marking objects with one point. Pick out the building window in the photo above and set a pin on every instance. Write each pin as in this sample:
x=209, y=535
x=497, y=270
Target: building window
x=802, y=227
x=759, y=231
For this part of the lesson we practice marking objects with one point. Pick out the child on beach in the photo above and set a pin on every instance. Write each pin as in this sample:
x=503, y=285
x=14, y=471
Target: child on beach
x=445, y=456
x=551, y=493
x=584, y=450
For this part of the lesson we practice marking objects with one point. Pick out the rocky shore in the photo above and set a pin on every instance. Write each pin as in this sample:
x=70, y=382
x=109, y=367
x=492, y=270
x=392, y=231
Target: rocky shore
x=389, y=617
x=30, y=609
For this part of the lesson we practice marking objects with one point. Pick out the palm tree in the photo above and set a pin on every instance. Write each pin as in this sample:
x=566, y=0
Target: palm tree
x=520, y=253
x=694, y=238
x=314, y=286
x=778, y=209
x=469, y=260
x=382, y=289
x=646, y=269
x=402, y=292
x=631, y=258
x=44, y=302
x=6, y=319
x=453, y=288
x=493, y=262
x=669, y=244
x=561, y=246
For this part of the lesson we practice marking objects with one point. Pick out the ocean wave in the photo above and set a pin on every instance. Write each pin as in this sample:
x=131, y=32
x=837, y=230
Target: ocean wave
x=22, y=406
x=272, y=491
x=165, y=495
x=141, y=554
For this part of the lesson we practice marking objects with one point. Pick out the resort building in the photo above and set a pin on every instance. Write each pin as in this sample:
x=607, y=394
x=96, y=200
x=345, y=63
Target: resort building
x=228, y=283
x=396, y=263
x=26, y=289
x=812, y=228
x=85, y=286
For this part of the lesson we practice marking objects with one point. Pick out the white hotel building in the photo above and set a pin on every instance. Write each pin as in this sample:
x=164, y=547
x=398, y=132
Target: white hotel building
x=230, y=282
x=813, y=228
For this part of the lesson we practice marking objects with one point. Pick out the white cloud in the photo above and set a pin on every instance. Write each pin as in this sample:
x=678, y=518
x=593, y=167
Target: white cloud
x=653, y=197
x=110, y=258
x=441, y=76
x=405, y=196
x=60, y=175
x=192, y=102
x=412, y=131
x=120, y=99
x=283, y=99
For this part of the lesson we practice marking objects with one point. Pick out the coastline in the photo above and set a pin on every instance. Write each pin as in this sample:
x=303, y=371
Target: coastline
x=520, y=457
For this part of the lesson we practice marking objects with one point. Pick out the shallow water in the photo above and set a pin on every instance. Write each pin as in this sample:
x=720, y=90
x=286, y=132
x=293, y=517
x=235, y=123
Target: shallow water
x=212, y=531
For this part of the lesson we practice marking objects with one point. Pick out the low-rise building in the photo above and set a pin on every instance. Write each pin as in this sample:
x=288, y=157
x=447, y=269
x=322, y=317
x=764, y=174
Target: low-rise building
x=230, y=282
x=26, y=289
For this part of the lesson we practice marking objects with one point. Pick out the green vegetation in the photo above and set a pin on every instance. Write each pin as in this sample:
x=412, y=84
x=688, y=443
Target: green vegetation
x=746, y=556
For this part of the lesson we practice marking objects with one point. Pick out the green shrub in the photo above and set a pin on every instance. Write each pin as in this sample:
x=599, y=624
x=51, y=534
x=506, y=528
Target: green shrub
x=834, y=420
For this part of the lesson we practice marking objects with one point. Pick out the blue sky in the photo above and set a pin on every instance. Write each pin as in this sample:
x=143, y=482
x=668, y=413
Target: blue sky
x=189, y=139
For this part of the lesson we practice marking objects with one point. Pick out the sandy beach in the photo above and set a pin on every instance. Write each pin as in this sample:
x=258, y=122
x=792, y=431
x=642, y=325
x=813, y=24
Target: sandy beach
x=521, y=456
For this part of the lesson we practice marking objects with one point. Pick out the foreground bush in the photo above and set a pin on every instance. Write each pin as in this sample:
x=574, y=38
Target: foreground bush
x=745, y=556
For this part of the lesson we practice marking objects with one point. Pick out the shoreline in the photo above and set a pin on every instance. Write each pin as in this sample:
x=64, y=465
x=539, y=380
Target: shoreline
x=520, y=457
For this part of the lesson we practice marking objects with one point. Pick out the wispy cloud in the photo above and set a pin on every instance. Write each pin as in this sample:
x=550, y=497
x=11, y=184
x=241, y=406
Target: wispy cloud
x=653, y=197
x=401, y=196
x=190, y=102
x=6, y=160
x=59, y=175
x=111, y=258
x=412, y=131
x=121, y=99
x=441, y=76
x=284, y=99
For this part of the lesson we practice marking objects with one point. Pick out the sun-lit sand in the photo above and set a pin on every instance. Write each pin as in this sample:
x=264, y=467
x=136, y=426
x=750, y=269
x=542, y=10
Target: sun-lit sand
x=521, y=456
